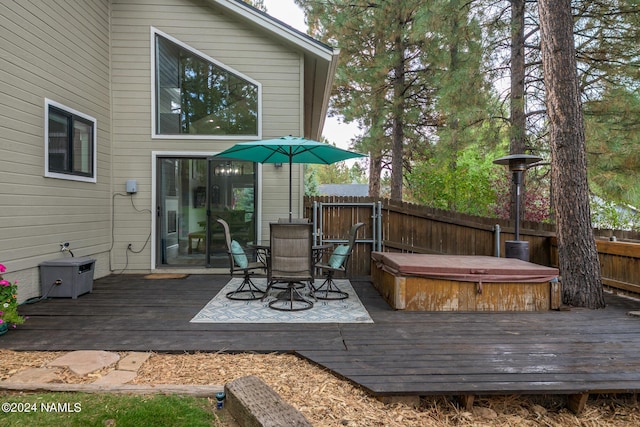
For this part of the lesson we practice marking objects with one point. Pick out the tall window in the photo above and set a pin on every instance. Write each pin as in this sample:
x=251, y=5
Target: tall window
x=195, y=96
x=70, y=143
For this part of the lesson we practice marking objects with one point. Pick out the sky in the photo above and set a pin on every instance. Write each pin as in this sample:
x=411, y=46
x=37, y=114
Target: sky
x=335, y=131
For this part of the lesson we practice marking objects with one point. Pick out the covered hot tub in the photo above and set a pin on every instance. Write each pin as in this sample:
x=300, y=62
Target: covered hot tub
x=463, y=283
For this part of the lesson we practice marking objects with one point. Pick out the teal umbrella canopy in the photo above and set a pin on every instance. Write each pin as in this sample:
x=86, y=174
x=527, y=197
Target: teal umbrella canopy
x=288, y=149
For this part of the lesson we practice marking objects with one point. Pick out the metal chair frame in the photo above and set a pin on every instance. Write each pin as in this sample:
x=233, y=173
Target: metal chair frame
x=247, y=291
x=328, y=290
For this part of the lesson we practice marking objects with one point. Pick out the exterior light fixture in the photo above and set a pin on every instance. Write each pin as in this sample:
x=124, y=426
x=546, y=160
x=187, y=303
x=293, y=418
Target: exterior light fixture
x=518, y=164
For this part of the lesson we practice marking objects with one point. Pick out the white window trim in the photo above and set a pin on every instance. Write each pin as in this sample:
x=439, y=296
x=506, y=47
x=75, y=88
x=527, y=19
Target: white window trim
x=154, y=134
x=94, y=178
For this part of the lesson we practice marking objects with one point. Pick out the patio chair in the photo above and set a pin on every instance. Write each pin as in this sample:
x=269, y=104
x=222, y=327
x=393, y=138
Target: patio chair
x=288, y=220
x=293, y=220
x=238, y=262
x=337, y=263
x=291, y=262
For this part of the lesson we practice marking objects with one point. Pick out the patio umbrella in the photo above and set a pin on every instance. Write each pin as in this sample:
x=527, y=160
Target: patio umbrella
x=288, y=149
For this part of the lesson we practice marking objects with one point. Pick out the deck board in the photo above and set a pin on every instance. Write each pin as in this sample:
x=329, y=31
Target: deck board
x=402, y=353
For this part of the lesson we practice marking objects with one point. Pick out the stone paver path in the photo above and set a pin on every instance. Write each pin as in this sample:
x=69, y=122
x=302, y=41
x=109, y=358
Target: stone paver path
x=85, y=362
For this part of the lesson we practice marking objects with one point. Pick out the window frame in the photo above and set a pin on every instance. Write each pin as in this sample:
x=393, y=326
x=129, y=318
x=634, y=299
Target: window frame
x=154, y=116
x=72, y=115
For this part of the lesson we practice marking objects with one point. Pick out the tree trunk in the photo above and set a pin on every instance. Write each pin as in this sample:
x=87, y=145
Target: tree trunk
x=375, y=172
x=579, y=263
x=397, y=135
x=517, y=117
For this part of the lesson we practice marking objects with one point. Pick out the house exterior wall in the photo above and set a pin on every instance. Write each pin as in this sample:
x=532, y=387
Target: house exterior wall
x=200, y=25
x=57, y=50
x=95, y=57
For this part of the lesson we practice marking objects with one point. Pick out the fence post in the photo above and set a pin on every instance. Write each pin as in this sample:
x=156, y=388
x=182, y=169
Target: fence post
x=379, y=223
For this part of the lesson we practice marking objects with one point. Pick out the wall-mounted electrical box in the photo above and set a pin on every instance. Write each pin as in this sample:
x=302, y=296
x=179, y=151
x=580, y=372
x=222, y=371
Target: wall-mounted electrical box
x=132, y=186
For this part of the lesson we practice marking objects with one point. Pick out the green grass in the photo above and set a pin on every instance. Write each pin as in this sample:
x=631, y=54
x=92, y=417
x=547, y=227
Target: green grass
x=86, y=410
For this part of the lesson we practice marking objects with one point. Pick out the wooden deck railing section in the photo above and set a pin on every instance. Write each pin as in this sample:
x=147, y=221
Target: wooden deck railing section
x=409, y=227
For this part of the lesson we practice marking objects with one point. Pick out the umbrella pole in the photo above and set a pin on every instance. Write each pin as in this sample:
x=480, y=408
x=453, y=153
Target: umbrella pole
x=290, y=187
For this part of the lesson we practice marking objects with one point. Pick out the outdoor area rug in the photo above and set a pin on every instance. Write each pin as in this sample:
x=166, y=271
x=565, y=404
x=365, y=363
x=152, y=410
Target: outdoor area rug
x=223, y=310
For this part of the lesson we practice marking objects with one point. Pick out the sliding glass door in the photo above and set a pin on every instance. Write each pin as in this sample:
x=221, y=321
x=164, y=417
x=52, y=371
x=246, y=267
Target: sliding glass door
x=192, y=194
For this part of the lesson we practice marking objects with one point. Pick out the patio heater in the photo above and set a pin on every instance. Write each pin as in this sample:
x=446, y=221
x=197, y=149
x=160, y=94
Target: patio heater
x=518, y=164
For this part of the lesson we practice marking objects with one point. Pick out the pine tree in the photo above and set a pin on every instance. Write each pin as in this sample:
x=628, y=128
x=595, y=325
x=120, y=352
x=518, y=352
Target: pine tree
x=578, y=256
x=607, y=51
x=258, y=4
x=391, y=65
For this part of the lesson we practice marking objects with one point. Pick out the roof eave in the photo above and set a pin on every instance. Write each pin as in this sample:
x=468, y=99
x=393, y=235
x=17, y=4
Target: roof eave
x=319, y=79
x=286, y=32
x=320, y=62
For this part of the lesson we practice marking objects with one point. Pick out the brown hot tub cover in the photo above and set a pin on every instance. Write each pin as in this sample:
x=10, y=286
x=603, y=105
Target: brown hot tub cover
x=463, y=268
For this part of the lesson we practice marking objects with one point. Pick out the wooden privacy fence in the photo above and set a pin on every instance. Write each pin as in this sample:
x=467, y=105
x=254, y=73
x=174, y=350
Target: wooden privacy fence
x=334, y=220
x=407, y=227
x=619, y=263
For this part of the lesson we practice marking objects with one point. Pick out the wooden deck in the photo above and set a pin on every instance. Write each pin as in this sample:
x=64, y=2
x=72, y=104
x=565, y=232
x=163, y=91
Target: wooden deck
x=572, y=352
